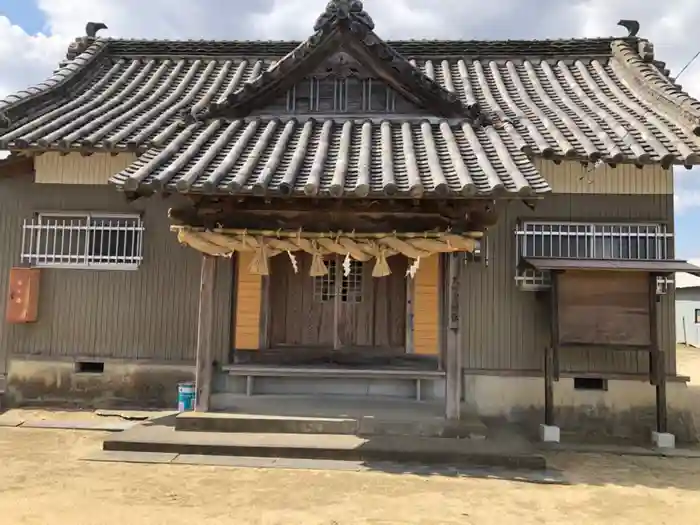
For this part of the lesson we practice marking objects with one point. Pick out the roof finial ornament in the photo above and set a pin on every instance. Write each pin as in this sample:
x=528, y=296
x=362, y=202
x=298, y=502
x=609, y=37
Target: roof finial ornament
x=632, y=26
x=91, y=28
x=338, y=10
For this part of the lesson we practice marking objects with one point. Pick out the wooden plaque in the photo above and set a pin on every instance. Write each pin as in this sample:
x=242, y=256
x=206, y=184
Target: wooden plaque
x=23, y=295
x=604, y=308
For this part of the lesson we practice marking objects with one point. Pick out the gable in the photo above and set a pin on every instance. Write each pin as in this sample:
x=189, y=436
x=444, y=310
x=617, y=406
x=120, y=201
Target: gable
x=341, y=85
x=74, y=168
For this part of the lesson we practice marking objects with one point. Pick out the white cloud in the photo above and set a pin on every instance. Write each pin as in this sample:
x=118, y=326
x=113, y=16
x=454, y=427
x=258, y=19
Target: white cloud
x=26, y=59
x=686, y=199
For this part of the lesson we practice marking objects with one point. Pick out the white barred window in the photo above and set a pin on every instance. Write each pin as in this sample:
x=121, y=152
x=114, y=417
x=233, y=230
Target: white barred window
x=83, y=240
x=577, y=240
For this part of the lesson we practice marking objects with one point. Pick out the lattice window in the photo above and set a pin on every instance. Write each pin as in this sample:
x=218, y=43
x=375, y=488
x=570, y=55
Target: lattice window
x=349, y=287
x=83, y=240
x=573, y=240
x=324, y=285
x=341, y=95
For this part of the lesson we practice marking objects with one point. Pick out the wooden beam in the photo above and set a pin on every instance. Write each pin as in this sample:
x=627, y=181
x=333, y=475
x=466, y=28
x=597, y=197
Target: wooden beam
x=202, y=207
x=453, y=351
x=410, y=295
x=205, y=333
x=548, y=386
x=337, y=289
x=324, y=221
x=554, y=316
x=265, y=312
x=551, y=352
x=657, y=360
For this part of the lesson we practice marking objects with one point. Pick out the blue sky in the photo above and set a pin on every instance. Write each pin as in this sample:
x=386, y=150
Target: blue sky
x=24, y=13
x=34, y=34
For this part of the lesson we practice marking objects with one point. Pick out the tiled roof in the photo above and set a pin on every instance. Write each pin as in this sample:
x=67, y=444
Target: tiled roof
x=336, y=158
x=591, y=100
x=587, y=108
x=584, y=108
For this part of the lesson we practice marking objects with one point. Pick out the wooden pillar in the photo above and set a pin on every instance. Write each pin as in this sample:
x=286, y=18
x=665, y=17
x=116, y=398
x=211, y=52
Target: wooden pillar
x=657, y=360
x=410, y=317
x=453, y=350
x=337, y=304
x=205, y=333
x=551, y=356
x=264, y=337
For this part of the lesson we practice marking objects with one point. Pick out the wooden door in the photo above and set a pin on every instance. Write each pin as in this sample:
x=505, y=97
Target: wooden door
x=337, y=310
x=301, y=312
x=372, y=311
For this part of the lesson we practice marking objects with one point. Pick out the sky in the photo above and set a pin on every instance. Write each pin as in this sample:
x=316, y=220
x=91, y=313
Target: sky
x=34, y=35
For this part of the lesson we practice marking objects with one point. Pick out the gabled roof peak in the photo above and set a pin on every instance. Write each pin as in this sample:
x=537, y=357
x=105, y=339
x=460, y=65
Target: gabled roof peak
x=344, y=25
x=339, y=11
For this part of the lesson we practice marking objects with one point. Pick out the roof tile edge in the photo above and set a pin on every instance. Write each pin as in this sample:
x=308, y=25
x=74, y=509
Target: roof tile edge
x=640, y=68
x=66, y=72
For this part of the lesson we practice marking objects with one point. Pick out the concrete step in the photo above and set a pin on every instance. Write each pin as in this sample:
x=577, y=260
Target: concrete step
x=349, y=425
x=402, y=449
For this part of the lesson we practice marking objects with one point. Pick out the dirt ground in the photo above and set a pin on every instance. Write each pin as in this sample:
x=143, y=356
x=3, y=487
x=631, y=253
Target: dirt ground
x=43, y=482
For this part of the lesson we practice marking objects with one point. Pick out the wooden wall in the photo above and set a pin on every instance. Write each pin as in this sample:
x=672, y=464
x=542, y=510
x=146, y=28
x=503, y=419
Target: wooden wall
x=426, y=307
x=505, y=329
x=625, y=179
x=249, y=296
x=146, y=314
x=74, y=168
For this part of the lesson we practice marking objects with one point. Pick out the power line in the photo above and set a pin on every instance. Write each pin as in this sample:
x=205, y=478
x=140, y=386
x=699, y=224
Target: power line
x=688, y=64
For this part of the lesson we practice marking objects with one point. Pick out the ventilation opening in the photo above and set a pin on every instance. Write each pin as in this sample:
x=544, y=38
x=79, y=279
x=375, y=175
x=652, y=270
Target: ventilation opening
x=89, y=367
x=590, y=383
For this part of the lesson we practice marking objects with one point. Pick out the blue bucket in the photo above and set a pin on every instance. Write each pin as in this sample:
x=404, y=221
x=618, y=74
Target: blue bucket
x=185, y=396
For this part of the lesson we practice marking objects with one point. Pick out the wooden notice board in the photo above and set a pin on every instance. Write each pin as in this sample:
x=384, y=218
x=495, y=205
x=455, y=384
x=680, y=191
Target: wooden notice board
x=604, y=308
x=23, y=295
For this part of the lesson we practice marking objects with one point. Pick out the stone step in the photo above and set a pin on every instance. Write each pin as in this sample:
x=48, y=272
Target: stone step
x=350, y=425
x=402, y=449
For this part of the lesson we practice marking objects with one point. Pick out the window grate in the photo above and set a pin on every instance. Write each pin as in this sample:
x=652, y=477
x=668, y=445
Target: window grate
x=574, y=240
x=341, y=95
x=324, y=285
x=85, y=240
x=349, y=288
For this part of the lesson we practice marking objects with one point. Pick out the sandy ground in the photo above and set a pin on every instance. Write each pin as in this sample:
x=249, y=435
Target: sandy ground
x=44, y=482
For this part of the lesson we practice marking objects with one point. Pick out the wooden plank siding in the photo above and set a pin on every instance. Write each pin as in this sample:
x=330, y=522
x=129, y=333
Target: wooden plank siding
x=624, y=179
x=54, y=168
x=248, y=300
x=426, y=300
x=504, y=328
x=145, y=314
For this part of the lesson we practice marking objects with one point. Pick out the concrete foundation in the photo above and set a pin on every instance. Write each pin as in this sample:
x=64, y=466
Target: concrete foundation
x=550, y=434
x=625, y=410
x=663, y=440
x=58, y=383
